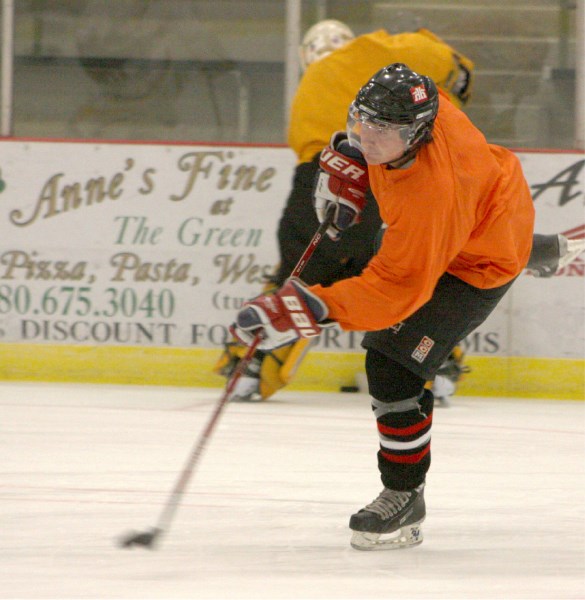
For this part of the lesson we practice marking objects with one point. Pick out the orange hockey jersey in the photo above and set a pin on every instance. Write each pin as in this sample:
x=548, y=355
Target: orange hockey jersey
x=463, y=207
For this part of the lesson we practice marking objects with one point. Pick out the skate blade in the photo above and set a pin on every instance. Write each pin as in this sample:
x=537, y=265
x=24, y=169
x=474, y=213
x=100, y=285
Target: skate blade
x=408, y=536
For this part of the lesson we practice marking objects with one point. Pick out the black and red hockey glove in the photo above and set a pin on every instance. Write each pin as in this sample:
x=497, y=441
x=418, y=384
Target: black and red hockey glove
x=281, y=317
x=342, y=180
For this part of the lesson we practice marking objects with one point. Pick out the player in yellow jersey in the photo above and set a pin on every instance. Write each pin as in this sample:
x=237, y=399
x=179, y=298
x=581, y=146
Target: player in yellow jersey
x=336, y=63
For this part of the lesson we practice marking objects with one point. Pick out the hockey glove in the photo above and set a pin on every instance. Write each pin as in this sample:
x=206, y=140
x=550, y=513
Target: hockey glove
x=281, y=317
x=342, y=180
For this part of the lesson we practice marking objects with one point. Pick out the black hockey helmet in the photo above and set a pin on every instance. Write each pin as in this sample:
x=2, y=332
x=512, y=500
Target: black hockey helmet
x=396, y=95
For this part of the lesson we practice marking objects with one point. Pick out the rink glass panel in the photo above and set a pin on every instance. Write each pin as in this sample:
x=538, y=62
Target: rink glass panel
x=203, y=70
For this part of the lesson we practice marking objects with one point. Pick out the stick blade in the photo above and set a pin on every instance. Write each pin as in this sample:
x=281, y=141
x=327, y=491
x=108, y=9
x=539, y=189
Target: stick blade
x=145, y=539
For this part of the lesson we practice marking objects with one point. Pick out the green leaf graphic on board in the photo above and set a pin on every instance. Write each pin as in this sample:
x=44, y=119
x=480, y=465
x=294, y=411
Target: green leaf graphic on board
x=2, y=183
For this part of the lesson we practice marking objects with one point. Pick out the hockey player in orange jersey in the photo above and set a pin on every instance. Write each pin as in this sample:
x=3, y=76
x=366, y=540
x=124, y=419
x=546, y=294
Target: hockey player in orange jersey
x=459, y=218
x=335, y=64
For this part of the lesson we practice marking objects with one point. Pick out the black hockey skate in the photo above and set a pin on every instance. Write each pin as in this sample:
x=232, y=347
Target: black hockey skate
x=391, y=521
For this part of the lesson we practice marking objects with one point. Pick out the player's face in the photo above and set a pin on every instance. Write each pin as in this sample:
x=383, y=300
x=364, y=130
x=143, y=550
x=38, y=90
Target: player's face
x=381, y=146
x=380, y=142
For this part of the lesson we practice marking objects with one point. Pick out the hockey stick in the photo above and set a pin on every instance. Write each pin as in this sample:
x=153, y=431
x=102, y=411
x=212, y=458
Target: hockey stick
x=150, y=537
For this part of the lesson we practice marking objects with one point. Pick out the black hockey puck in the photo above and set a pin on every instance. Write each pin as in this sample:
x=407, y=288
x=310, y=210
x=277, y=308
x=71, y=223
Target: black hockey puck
x=349, y=388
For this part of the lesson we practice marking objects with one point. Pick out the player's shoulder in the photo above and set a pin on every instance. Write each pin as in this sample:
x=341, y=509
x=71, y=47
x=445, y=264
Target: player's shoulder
x=463, y=141
x=360, y=54
x=360, y=47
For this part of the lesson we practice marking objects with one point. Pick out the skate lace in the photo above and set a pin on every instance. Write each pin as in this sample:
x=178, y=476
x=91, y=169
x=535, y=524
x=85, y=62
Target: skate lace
x=389, y=503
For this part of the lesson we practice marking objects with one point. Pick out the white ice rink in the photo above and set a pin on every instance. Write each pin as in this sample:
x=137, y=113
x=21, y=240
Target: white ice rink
x=266, y=513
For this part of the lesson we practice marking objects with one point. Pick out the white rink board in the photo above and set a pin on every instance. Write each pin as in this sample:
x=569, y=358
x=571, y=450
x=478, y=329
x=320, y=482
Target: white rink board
x=181, y=236
x=158, y=244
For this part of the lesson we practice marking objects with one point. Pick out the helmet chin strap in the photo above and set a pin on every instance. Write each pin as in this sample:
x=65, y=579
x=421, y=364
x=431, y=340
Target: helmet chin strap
x=405, y=159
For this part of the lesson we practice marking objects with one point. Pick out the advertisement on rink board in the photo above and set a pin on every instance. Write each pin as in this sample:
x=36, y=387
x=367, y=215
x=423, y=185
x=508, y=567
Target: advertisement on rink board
x=160, y=244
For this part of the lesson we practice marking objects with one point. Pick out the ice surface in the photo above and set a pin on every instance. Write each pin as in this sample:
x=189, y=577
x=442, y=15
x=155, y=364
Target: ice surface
x=266, y=513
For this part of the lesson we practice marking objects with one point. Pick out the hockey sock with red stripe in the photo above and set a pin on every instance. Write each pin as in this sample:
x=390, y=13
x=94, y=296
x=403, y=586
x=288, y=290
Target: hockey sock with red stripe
x=404, y=429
